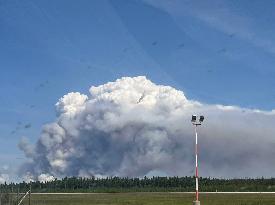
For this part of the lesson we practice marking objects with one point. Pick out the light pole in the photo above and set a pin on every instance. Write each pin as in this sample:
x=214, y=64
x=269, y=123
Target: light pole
x=196, y=122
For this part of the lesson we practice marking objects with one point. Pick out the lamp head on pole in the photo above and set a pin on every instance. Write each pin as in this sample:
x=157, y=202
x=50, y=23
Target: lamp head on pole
x=194, y=118
x=197, y=120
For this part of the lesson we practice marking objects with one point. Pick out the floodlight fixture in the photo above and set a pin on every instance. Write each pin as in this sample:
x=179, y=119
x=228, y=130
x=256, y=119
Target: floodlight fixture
x=194, y=118
x=197, y=120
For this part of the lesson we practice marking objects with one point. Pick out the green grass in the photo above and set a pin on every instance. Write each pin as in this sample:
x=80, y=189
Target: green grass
x=153, y=199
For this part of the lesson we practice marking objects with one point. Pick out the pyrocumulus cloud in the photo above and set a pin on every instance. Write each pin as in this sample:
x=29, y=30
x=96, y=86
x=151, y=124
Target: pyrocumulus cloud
x=132, y=127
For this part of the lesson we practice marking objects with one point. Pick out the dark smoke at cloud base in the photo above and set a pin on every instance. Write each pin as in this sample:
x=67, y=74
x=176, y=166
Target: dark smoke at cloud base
x=132, y=127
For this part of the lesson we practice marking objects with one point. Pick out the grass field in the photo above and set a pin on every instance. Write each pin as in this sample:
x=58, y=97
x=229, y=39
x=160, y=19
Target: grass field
x=152, y=199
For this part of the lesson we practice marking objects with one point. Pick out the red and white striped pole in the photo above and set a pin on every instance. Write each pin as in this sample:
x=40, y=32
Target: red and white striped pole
x=197, y=171
x=197, y=122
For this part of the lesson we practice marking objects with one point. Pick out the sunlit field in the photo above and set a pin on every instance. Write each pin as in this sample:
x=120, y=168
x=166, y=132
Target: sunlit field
x=151, y=199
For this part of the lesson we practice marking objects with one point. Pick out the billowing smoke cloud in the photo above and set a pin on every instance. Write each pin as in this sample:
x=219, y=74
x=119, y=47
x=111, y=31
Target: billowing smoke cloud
x=4, y=178
x=45, y=178
x=5, y=172
x=132, y=127
x=26, y=147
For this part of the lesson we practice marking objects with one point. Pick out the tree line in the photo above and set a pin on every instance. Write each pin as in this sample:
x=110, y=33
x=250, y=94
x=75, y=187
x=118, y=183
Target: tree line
x=146, y=184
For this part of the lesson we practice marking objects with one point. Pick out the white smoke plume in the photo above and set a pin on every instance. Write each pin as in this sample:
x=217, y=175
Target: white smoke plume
x=28, y=177
x=4, y=178
x=132, y=127
x=26, y=147
x=45, y=178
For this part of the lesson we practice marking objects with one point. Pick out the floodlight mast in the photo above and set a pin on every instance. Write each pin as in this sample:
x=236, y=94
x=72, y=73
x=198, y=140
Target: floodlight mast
x=196, y=123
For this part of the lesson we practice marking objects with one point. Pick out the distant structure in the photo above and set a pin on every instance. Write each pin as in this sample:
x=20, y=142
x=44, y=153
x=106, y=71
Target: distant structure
x=196, y=122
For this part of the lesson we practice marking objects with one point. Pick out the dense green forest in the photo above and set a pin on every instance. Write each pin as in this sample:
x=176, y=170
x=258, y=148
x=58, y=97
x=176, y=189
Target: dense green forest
x=154, y=184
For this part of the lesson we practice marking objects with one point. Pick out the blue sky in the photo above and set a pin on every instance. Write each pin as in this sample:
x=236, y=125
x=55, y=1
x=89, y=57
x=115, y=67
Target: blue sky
x=219, y=52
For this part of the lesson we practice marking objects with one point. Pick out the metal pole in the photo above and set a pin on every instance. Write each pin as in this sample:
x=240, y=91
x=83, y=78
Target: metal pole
x=196, y=202
x=0, y=194
x=30, y=194
x=12, y=194
x=197, y=171
x=17, y=198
